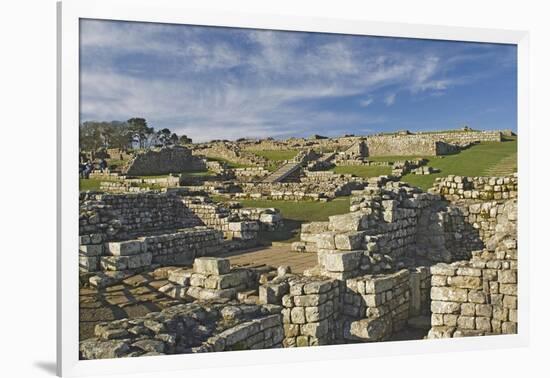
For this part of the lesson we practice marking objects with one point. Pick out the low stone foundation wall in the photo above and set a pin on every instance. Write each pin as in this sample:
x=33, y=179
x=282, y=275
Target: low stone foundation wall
x=178, y=248
x=455, y=188
x=250, y=174
x=126, y=216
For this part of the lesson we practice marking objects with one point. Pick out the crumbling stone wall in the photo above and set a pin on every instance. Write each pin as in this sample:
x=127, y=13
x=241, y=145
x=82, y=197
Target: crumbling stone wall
x=125, y=216
x=455, y=188
x=174, y=159
x=229, y=151
x=177, y=248
x=377, y=306
x=479, y=296
x=186, y=328
x=250, y=174
x=316, y=187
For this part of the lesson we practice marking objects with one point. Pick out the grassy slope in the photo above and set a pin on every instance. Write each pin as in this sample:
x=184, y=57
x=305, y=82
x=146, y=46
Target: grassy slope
x=277, y=155
x=296, y=213
x=478, y=160
x=363, y=171
x=89, y=184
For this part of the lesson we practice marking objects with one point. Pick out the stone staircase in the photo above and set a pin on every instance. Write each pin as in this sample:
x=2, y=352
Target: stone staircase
x=282, y=172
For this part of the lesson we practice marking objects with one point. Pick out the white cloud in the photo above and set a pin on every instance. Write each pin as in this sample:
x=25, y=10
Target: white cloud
x=366, y=102
x=389, y=100
x=252, y=84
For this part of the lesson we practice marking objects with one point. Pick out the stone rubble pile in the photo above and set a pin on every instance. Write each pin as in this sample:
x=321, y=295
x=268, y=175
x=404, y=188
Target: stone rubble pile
x=211, y=279
x=187, y=328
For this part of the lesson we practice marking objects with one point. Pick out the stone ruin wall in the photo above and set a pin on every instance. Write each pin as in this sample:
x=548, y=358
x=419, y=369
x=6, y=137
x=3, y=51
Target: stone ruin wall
x=250, y=174
x=162, y=161
x=329, y=144
x=406, y=145
x=123, y=216
x=429, y=144
x=229, y=151
x=478, y=296
x=400, y=253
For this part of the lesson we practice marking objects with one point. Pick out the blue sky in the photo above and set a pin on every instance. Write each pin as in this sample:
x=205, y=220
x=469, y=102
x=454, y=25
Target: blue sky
x=212, y=83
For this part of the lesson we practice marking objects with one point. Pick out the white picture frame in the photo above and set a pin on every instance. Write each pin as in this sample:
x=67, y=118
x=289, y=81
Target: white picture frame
x=164, y=11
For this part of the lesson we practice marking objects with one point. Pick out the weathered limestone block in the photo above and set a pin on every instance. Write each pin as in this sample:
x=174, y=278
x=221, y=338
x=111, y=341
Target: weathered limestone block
x=314, y=227
x=92, y=349
x=356, y=221
x=370, y=329
x=349, y=241
x=449, y=294
x=325, y=240
x=126, y=248
x=88, y=263
x=180, y=277
x=126, y=262
x=338, y=261
x=211, y=265
x=442, y=307
x=272, y=292
x=91, y=249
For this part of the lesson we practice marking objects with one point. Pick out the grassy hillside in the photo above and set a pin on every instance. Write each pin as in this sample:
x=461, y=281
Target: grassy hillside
x=296, y=213
x=484, y=159
x=276, y=155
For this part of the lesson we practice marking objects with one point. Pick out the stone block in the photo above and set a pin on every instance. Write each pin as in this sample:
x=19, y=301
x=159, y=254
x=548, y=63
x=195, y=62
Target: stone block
x=315, y=227
x=325, y=240
x=349, y=241
x=507, y=276
x=180, y=277
x=379, y=284
x=466, y=271
x=88, y=263
x=297, y=315
x=441, y=307
x=318, y=329
x=449, y=294
x=484, y=310
x=272, y=293
x=370, y=329
x=317, y=287
x=466, y=322
x=125, y=248
x=337, y=261
x=91, y=249
x=443, y=270
x=211, y=265
x=466, y=282
x=310, y=300
x=441, y=332
x=483, y=324
x=356, y=221
x=509, y=327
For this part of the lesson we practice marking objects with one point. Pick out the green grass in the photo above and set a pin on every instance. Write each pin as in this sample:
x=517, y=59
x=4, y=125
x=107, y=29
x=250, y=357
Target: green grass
x=89, y=184
x=276, y=155
x=478, y=160
x=362, y=171
x=295, y=213
x=392, y=159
